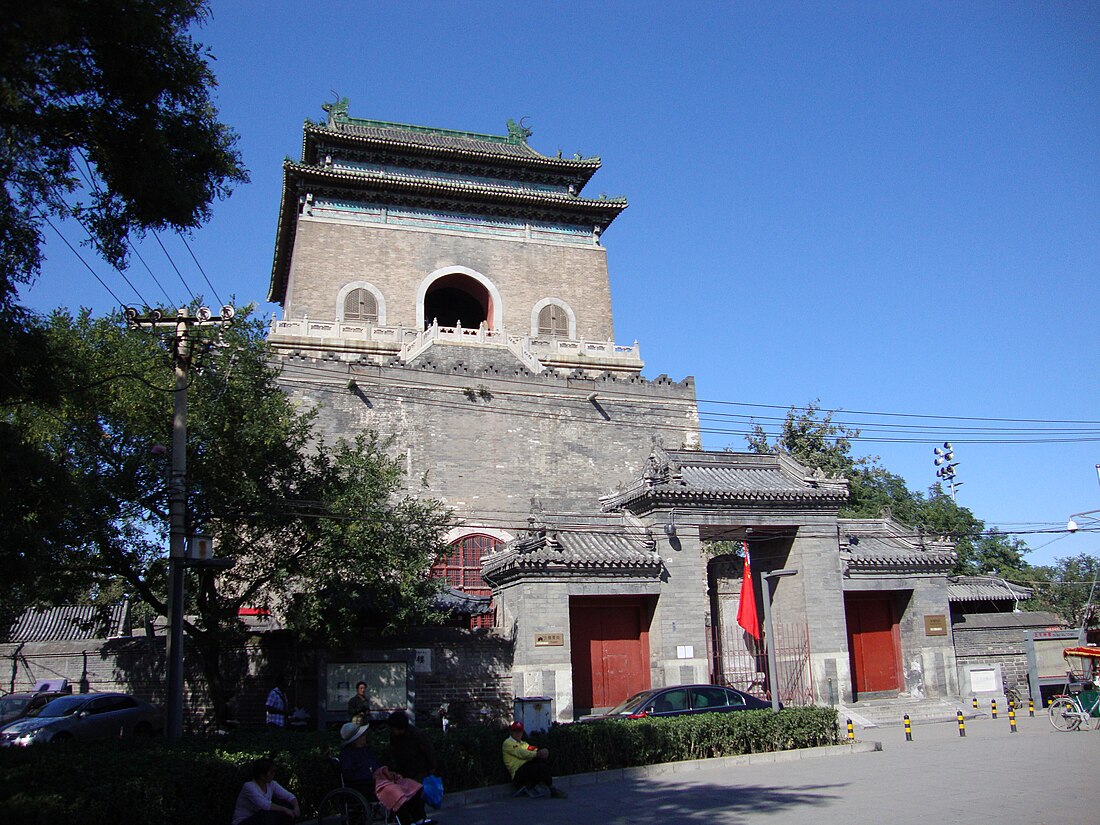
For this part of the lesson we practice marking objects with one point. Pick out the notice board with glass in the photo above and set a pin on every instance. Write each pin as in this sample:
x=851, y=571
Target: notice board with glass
x=387, y=685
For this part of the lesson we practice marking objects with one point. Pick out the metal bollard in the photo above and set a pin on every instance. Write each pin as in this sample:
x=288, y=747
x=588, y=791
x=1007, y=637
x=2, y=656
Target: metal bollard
x=1012, y=718
x=908, y=729
x=993, y=707
x=962, y=724
x=1030, y=707
x=851, y=731
x=974, y=700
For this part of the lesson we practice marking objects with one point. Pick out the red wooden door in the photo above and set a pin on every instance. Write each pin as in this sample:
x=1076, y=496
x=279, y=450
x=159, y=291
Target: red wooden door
x=609, y=652
x=873, y=643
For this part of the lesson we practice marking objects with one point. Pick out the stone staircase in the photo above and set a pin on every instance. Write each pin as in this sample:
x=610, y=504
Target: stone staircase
x=872, y=713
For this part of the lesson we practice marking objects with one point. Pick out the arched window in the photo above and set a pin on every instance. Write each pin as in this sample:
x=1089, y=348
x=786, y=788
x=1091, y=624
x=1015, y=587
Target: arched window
x=553, y=321
x=553, y=317
x=360, y=305
x=462, y=570
x=360, y=302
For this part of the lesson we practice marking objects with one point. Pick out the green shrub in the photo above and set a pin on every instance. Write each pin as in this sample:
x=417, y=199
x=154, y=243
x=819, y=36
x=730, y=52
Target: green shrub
x=195, y=782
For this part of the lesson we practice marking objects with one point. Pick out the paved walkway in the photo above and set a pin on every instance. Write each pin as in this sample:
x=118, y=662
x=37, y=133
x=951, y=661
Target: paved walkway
x=1037, y=776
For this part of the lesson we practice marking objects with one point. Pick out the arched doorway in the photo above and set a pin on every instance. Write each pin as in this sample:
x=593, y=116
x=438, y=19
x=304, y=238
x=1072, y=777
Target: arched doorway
x=456, y=299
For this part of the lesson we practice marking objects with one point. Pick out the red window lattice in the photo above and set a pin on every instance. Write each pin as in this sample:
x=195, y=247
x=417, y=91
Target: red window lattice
x=462, y=570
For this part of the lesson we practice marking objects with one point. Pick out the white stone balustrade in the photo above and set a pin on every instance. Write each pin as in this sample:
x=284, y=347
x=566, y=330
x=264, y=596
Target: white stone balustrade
x=535, y=353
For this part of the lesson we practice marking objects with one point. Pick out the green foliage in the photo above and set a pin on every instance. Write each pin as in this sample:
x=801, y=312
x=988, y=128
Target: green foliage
x=321, y=532
x=196, y=781
x=106, y=115
x=811, y=437
x=1065, y=588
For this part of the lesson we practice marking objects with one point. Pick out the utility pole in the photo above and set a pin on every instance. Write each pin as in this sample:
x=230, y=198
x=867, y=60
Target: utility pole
x=177, y=495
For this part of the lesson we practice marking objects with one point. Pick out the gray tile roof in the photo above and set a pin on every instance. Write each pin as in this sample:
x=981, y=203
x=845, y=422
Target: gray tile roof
x=723, y=477
x=984, y=589
x=441, y=139
x=882, y=545
x=67, y=623
x=575, y=548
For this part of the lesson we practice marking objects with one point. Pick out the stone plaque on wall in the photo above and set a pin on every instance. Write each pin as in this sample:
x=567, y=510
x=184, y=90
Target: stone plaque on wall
x=549, y=639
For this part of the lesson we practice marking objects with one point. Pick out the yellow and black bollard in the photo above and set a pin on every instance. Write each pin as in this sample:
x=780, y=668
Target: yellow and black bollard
x=962, y=724
x=851, y=731
x=1011, y=718
x=908, y=729
x=974, y=701
x=1030, y=707
x=993, y=707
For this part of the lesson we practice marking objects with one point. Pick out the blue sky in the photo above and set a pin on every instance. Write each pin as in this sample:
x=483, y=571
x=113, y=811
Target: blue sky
x=893, y=208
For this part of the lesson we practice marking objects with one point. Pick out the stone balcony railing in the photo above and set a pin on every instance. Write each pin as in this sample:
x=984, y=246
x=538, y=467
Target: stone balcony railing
x=536, y=353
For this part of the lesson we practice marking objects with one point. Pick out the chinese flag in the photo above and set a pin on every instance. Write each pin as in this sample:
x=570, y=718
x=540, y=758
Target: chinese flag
x=746, y=609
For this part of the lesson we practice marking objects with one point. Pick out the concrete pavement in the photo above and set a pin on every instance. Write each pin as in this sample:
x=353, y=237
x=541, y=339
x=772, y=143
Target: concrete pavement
x=1038, y=776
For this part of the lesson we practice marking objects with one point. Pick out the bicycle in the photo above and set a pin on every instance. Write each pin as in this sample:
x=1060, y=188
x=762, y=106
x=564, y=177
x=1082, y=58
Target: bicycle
x=1069, y=713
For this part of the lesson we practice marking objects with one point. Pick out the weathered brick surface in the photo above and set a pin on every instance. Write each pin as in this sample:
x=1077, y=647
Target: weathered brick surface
x=484, y=435
x=330, y=254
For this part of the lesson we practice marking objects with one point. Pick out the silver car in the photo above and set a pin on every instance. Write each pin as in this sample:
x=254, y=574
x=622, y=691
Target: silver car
x=86, y=716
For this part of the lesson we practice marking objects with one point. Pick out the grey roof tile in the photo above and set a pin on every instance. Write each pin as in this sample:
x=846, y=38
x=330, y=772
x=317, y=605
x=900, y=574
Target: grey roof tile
x=70, y=623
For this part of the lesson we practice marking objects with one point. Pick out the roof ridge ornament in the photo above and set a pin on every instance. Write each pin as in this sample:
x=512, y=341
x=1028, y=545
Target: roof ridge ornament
x=518, y=132
x=337, y=111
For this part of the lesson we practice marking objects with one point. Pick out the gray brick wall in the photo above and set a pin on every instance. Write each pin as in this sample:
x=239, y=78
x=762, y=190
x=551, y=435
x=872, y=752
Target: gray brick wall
x=330, y=254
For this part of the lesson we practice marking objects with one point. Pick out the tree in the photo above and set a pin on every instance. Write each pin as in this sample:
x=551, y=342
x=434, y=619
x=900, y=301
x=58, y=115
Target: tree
x=811, y=437
x=1067, y=588
x=307, y=521
x=106, y=117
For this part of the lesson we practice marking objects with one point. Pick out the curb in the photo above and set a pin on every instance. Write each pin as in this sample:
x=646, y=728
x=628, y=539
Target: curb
x=474, y=796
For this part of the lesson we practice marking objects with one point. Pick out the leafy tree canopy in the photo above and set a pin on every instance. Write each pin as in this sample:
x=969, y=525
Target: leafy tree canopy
x=811, y=437
x=1067, y=588
x=106, y=117
x=322, y=533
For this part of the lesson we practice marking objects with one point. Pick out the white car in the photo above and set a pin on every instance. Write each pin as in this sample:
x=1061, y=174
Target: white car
x=86, y=716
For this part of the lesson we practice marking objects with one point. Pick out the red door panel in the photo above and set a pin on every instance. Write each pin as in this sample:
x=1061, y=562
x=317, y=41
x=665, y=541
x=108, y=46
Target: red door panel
x=872, y=643
x=610, y=650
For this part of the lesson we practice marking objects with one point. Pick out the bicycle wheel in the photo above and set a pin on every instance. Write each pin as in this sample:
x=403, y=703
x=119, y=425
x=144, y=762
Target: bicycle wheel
x=344, y=806
x=1065, y=715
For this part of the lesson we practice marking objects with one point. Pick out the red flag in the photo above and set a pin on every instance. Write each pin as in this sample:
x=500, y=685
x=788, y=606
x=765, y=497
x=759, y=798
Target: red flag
x=746, y=608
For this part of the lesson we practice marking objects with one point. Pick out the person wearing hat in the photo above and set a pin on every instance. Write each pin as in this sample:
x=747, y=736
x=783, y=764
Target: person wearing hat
x=528, y=765
x=363, y=772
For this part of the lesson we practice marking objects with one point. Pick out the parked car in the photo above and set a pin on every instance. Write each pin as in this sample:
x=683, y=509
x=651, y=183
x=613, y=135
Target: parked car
x=17, y=705
x=681, y=700
x=85, y=716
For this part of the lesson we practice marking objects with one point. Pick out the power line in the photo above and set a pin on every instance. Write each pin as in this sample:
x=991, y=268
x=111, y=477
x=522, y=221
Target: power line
x=183, y=238
x=388, y=389
x=183, y=281
x=87, y=266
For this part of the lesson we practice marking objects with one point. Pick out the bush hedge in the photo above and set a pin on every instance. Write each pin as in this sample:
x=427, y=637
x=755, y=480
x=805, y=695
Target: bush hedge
x=196, y=781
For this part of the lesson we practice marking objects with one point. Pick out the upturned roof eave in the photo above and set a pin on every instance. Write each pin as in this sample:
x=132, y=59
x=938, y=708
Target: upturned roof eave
x=582, y=168
x=655, y=497
x=609, y=207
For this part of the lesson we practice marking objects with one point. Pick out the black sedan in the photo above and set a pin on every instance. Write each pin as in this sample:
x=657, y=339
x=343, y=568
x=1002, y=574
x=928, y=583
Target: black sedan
x=681, y=700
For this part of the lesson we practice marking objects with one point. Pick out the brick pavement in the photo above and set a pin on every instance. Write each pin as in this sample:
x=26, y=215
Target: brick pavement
x=1037, y=776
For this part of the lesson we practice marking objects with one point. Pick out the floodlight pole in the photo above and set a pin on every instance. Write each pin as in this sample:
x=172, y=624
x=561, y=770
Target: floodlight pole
x=769, y=639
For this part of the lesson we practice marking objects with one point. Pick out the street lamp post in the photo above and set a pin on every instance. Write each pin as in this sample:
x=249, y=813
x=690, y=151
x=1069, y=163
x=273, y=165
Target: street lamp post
x=769, y=639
